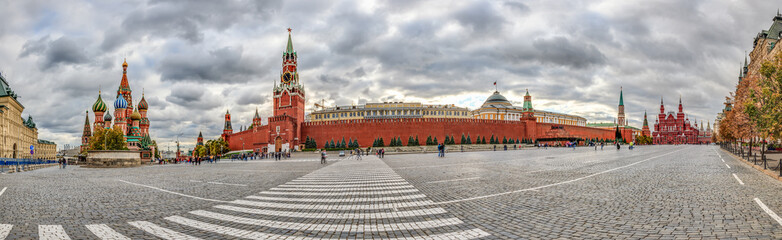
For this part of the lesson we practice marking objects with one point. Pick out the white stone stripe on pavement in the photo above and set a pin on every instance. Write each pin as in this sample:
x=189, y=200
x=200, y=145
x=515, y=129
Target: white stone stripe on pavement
x=333, y=207
x=2, y=191
x=468, y=234
x=104, y=232
x=341, y=189
x=339, y=193
x=5, y=229
x=347, y=178
x=234, y=232
x=768, y=211
x=454, y=180
x=331, y=227
x=297, y=181
x=175, y=193
x=52, y=232
x=338, y=200
x=737, y=179
x=727, y=165
x=220, y=183
x=161, y=232
x=341, y=185
x=327, y=215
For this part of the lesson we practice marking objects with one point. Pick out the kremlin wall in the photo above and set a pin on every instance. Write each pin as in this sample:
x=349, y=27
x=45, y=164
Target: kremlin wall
x=287, y=129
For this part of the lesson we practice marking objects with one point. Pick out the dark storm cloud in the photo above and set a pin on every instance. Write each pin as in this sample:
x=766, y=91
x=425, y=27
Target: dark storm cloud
x=228, y=65
x=193, y=97
x=563, y=52
x=481, y=17
x=62, y=51
x=187, y=20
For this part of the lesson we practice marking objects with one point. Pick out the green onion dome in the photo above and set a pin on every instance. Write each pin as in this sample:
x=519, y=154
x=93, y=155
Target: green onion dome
x=99, y=105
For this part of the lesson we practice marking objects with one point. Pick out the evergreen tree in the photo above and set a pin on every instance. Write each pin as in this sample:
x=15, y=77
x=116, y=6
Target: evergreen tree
x=380, y=142
x=464, y=139
x=434, y=141
x=416, y=141
x=447, y=140
x=504, y=140
x=491, y=140
x=469, y=141
x=483, y=141
x=429, y=140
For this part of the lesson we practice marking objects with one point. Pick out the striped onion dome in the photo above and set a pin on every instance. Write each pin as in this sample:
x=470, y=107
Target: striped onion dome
x=135, y=115
x=120, y=103
x=142, y=105
x=107, y=117
x=99, y=105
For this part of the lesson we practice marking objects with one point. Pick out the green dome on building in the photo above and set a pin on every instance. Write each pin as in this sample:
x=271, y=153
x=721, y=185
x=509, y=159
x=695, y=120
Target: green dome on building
x=99, y=105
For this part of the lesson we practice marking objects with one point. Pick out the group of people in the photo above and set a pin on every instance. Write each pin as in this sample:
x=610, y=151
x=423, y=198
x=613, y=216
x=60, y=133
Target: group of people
x=63, y=163
x=441, y=150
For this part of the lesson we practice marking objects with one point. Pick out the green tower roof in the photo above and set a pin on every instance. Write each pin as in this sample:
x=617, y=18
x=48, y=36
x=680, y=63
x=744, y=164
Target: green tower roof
x=289, y=48
x=621, y=97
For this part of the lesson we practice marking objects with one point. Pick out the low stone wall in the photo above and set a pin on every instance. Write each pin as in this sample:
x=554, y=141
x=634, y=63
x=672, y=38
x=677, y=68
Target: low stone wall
x=451, y=148
x=113, y=159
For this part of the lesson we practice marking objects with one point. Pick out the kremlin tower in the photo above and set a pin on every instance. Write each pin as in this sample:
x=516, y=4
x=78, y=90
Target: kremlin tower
x=621, y=117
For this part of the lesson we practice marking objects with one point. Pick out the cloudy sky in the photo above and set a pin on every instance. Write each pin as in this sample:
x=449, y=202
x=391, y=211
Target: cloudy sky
x=196, y=59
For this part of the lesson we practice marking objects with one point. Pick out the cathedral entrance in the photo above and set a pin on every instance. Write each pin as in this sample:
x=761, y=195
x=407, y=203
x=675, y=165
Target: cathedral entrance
x=278, y=144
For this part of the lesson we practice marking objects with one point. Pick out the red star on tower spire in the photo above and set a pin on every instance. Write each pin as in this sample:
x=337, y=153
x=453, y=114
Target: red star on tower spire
x=289, y=29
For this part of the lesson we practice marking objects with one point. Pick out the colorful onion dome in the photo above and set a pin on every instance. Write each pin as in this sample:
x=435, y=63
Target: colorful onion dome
x=135, y=115
x=120, y=102
x=107, y=117
x=142, y=105
x=99, y=105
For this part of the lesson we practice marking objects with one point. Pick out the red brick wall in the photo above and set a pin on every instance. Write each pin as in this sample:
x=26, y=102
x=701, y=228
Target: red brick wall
x=544, y=130
x=252, y=139
x=366, y=131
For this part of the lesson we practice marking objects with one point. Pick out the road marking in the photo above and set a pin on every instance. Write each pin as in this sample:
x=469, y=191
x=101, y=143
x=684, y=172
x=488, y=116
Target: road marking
x=555, y=184
x=723, y=160
x=6, y=228
x=329, y=215
x=338, y=200
x=340, y=185
x=341, y=189
x=536, y=171
x=727, y=165
x=161, y=232
x=331, y=227
x=52, y=232
x=176, y=193
x=769, y=212
x=299, y=181
x=220, y=183
x=2, y=191
x=105, y=232
x=737, y=179
x=454, y=180
x=371, y=206
x=339, y=193
x=239, y=233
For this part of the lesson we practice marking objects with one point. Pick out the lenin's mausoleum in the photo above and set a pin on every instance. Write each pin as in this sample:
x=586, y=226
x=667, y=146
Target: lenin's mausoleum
x=289, y=127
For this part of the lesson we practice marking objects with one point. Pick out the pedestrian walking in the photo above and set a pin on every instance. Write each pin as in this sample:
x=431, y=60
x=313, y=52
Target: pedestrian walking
x=323, y=157
x=382, y=153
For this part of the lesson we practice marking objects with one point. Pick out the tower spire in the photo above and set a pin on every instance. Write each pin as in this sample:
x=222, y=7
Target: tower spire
x=289, y=48
x=621, y=97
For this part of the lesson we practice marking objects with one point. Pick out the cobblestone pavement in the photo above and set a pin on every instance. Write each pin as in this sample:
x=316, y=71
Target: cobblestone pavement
x=651, y=192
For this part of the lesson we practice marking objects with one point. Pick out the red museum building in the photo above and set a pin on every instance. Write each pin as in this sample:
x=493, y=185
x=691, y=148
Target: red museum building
x=675, y=128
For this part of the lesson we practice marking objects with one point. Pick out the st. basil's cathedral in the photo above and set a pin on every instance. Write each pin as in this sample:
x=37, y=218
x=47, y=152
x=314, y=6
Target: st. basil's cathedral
x=132, y=122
